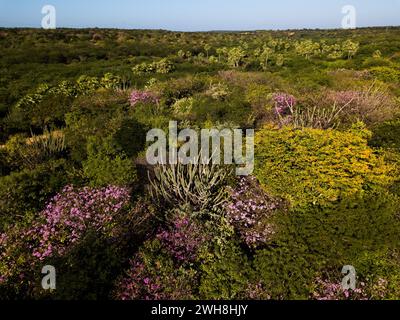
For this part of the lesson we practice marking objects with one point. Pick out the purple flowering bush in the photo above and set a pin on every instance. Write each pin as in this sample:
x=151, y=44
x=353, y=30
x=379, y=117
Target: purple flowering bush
x=372, y=104
x=143, y=96
x=153, y=275
x=162, y=269
x=183, y=239
x=250, y=211
x=284, y=103
x=256, y=291
x=65, y=221
x=328, y=290
x=70, y=214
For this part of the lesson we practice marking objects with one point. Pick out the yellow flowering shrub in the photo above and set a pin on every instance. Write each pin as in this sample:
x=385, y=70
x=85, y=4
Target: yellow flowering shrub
x=313, y=166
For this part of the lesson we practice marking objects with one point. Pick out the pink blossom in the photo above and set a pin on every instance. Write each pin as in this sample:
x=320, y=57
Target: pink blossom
x=140, y=96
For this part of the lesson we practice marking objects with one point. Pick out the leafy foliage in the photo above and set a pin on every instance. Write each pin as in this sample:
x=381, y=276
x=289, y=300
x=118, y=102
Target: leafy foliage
x=75, y=107
x=106, y=167
x=313, y=166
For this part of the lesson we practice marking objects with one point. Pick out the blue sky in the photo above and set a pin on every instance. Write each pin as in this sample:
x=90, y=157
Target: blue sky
x=198, y=15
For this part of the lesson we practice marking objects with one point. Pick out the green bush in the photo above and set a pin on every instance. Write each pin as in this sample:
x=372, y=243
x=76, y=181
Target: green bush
x=88, y=271
x=104, y=166
x=233, y=110
x=183, y=87
x=387, y=135
x=47, y=105
x=313, y=166
x=226, y=275
x=388, y=74
x=49, y=111
x=130, y=137
x=101, y=115
x=28, y=190
x=164, y=66
x=317, y=241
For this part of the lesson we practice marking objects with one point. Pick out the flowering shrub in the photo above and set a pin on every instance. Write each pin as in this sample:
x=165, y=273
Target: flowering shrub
x=327, y=290
x=163, y=267
x=250, y=210
x=284, y=103
x=139, y=96
x=153, y=276
x=380, y=289
x=71, y=213
x=311, y=166
x=183, y=239
x=256, y=291
x=219, y=91
x=62, y=224
x=370, y=104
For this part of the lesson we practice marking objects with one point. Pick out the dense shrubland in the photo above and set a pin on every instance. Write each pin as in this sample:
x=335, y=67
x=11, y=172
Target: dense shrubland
x=77, y=193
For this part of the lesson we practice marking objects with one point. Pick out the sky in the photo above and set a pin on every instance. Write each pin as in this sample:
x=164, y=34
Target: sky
x=199, y=15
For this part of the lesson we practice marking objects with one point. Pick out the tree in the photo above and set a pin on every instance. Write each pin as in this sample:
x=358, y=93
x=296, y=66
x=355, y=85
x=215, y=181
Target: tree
x=236, y=56
x=351, y=48
x=280, y=60
x=181, y=54
x=222, y=52
x=307, y=48
x=265, y=56
x=207, y=48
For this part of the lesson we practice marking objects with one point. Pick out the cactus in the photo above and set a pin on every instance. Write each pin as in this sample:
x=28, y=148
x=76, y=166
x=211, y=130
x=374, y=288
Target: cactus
x=197, y=185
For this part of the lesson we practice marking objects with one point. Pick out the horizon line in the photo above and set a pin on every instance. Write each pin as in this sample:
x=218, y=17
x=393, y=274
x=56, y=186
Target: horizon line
x=207, y=31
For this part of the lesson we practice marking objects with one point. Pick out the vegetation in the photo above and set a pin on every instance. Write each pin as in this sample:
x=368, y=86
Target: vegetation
x=77, y=193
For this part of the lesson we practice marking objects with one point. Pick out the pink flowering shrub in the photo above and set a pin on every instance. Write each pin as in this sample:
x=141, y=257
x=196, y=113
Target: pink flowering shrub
x=153, y=275
x=370, y=105
x=343, y=98
x=380, y=289
x=256, y=291
x=138, y=285
x=142, y=96
x=70, y=214
x=61, y=225
x=163, y=267
x=250, y=211
x=183, y=239
x=327, y=290
x=284, y=103
x=15, y=260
